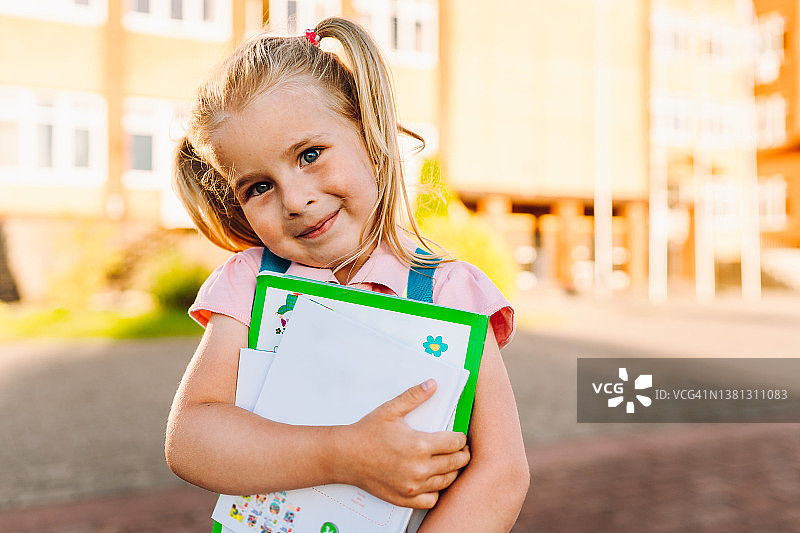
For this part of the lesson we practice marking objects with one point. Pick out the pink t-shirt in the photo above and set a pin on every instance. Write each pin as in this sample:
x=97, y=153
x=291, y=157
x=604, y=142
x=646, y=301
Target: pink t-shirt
x=230, y=288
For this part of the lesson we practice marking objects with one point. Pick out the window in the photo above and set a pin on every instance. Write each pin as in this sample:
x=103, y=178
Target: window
x=81, y=148
x=671, y=122
x=719, y=42
x=395, y=33
x=725, y=198
x=176, y=9
x=151, y=139
x=718, y=123
x=771, y=121
x=670, y=34
x=291, y=16
x=44, y=145
x=83, y=12
x=9, y=135
x=407, y=29
x=294, y=16
x=153, y=128
x=141, y=152
x=771, y=36
x=52, y=136
x=208, y=20
x=772, y=203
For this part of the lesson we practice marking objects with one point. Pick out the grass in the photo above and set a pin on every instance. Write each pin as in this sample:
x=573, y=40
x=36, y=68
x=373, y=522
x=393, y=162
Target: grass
x=60, y=323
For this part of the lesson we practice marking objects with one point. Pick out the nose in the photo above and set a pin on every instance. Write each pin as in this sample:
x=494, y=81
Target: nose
x=296, y=199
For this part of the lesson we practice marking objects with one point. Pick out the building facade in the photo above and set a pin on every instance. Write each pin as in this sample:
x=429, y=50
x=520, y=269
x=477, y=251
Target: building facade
x=94, y=95
x=611, y=143
x=777, y=97
x=538, y=111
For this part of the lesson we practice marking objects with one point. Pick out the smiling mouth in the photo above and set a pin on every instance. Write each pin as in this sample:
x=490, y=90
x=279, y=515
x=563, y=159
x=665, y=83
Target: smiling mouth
x=320, y=228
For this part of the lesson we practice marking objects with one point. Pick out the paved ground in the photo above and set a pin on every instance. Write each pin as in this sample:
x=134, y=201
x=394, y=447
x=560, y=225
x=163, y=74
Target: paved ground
x=81, y=429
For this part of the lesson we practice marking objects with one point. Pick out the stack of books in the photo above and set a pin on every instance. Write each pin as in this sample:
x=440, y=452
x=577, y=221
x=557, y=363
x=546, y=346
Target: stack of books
x=323, y=354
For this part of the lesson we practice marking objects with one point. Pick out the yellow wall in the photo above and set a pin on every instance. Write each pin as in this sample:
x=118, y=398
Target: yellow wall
x=416, y=91
x=33, y=52
x=24, y=201
x=518, y=113
x=161, y=67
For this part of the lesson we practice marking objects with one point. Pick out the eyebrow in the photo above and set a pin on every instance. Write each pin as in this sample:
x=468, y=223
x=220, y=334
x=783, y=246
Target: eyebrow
x=309, y=140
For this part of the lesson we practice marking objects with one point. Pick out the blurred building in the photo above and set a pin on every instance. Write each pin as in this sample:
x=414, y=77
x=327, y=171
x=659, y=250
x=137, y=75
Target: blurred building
x=705, y=222
x=93, y=94
x=528, y=131
x=90, y=94
x=777, y=99
x=612, y=143
x=624, y=130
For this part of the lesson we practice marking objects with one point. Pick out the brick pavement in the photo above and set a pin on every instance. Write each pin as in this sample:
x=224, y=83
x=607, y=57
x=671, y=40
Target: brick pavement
x=703, y=478
x=185, y=509
x=82, y=431
x=713, y=478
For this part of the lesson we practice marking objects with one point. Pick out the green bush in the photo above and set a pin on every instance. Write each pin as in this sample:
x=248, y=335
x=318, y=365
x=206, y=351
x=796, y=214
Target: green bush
x=470, y=239
x=174, y=281
x=80, y=254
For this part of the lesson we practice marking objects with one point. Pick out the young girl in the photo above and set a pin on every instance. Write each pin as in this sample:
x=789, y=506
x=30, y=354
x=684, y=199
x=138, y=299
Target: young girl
x=294, y=148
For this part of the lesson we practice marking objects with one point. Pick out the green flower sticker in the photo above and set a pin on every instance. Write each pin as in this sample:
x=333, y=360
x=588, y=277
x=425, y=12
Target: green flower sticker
x=434, y=346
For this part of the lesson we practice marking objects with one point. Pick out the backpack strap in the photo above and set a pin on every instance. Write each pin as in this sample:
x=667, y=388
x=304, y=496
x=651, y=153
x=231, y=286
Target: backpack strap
x=420, y=280
x=272, y=263
x=420, y=277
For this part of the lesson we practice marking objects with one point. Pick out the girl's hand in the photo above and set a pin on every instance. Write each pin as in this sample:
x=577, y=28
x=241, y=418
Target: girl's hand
x=396, y=463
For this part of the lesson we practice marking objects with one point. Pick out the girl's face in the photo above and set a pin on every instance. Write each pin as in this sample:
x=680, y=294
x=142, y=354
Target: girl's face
x=301, y=173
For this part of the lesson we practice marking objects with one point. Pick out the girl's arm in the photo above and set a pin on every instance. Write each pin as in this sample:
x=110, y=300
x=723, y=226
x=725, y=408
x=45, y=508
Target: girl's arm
x=214, y=444
x=490, y=491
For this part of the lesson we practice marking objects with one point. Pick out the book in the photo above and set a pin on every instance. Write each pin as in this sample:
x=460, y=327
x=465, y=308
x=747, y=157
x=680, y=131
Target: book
x=335, y=376
x=370, y=321
x=452, y=336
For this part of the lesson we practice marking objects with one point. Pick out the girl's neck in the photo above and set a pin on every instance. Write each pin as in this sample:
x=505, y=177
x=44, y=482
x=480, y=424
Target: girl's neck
x=347, y=272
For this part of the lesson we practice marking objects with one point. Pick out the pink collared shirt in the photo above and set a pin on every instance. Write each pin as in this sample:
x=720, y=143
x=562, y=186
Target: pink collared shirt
x=229, y=289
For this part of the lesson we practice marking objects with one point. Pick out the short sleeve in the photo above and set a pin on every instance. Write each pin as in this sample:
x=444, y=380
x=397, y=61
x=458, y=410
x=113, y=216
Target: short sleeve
x=463, y=286
x=229, y=289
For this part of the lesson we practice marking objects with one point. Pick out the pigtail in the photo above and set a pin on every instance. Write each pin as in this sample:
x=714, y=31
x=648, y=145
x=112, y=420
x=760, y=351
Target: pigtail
x=377, y=116
x=374, y=92
x=209, y=201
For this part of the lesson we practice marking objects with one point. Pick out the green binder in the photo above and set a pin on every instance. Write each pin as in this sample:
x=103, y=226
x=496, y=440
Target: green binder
x=275, y=294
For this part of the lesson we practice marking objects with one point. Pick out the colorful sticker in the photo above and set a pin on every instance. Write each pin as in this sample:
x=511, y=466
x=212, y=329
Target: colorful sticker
x=291, y=300
x=265, y=513
x=434, y=346
x=329, y=527
x=236, y=514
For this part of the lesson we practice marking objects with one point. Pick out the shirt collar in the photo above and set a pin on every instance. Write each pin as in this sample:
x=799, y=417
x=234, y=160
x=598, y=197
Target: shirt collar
x=382, y=268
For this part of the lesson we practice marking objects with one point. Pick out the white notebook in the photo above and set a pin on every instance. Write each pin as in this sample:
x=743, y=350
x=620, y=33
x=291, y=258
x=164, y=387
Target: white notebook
x=331, y=370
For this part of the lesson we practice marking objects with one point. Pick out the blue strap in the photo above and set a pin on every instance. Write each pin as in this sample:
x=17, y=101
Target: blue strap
x=272, y=263
x=420, y=280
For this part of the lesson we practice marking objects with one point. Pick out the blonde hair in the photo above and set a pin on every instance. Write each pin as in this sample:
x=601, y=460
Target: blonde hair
x=362, y=93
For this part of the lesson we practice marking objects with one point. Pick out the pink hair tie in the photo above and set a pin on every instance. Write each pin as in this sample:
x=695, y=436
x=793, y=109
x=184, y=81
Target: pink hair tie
x=312, y=37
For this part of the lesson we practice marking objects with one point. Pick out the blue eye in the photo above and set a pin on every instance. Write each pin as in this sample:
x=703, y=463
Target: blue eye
x=260, y=188
x=310, y=155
